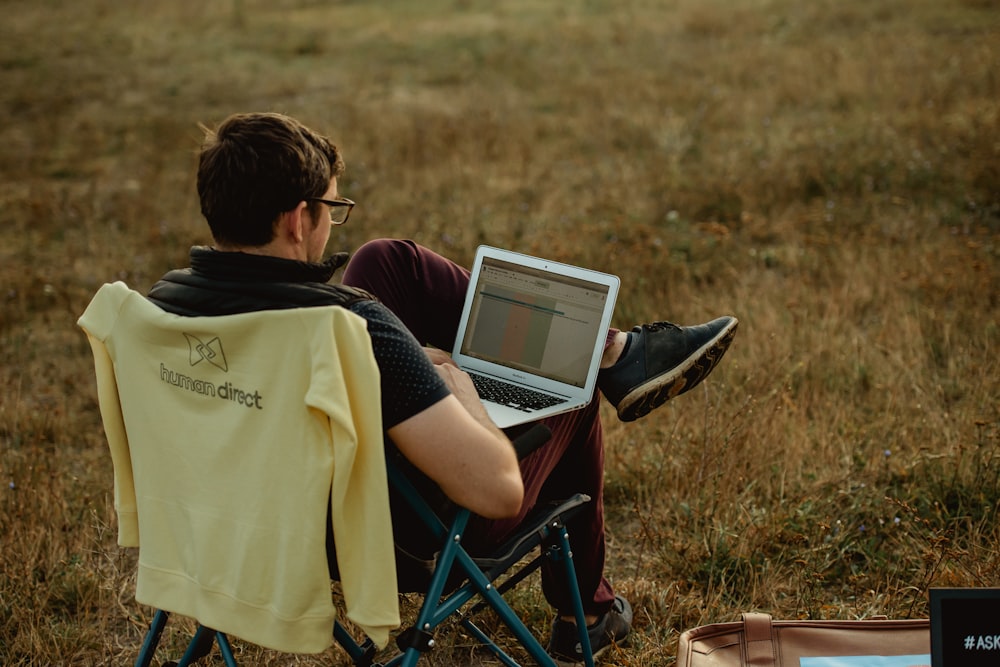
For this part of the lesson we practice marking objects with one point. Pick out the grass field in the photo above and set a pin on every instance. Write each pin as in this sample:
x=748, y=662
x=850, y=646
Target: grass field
x=828, y=171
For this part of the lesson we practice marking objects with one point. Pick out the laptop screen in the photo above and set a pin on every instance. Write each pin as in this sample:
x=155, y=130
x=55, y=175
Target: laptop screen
x=535, y=320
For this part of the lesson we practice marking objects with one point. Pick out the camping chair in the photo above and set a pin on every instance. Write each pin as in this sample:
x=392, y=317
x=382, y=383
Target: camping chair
x=233, y=439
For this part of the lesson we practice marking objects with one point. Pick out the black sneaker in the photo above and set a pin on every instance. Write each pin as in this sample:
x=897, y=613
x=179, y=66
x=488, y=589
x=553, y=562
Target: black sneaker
x=663, y=361
x=611, y=628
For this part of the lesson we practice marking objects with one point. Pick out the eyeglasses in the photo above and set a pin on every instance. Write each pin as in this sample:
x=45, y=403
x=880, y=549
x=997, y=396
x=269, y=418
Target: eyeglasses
x=340, y=208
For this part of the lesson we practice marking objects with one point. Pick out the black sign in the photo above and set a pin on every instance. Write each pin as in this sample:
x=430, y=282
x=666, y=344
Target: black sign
x=965, y=627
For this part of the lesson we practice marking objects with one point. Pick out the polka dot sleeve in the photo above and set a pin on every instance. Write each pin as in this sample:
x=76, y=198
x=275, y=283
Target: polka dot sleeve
x=409, y=382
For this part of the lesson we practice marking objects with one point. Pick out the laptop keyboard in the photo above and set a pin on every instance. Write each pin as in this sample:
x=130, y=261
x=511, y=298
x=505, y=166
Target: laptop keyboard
x=504, y=393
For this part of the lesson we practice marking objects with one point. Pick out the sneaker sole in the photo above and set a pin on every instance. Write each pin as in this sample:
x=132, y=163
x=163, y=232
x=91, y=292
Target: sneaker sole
x=679, y=379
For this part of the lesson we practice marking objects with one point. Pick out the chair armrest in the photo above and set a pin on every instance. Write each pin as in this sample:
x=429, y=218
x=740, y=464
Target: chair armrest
x=530, y=440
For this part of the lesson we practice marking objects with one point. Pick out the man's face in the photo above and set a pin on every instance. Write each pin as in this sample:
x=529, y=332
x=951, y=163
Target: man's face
x=318, y=231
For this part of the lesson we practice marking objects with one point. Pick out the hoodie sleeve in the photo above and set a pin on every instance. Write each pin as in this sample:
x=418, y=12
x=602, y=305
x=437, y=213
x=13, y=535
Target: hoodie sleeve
x=348, y=391
x=97, y=322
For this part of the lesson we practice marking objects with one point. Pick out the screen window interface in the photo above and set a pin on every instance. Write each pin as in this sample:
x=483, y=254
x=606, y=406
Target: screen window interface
x=534, y=320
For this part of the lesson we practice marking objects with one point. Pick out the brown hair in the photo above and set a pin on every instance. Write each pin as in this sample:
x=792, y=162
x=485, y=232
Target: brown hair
x=256, y=166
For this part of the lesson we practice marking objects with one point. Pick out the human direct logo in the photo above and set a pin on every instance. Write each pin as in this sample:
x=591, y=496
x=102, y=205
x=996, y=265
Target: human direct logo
x=211, y=352
x=209, y=349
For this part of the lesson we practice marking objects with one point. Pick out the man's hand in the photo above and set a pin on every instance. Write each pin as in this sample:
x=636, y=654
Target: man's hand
x=438, y=357
x=460, y=385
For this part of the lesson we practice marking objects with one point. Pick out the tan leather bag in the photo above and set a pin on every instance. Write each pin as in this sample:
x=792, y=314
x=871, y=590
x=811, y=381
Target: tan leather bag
x=758, y=641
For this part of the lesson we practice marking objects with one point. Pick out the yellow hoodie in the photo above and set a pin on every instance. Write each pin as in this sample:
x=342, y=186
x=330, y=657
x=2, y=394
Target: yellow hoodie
x=230, y=437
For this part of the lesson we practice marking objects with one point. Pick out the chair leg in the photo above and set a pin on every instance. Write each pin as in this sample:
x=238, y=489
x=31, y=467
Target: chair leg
x=152, y=639
x=564, y=553
x=199, y=646
x=427, y=618
x=362, y=655
x=225, y=649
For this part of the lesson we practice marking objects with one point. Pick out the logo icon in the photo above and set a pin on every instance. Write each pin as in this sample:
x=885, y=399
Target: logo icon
x=210, y=352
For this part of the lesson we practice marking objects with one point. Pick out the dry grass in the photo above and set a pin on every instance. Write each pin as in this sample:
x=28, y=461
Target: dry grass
x=827, y=171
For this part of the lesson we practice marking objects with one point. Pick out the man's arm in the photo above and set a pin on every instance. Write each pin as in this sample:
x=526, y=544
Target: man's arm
x=437, y=422
x=456, y=444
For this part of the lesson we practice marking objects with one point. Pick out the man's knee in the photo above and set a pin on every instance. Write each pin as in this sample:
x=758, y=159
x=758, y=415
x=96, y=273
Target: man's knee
x=377, y=261
x=378, y=251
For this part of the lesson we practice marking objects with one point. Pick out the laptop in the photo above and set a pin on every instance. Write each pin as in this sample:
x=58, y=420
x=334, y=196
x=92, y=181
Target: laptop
x=532, y=334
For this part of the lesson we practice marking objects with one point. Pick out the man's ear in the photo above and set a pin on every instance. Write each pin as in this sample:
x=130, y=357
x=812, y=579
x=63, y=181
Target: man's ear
x=292, y=223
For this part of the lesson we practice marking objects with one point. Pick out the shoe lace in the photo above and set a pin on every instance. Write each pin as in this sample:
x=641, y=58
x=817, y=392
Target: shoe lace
x=660, y=326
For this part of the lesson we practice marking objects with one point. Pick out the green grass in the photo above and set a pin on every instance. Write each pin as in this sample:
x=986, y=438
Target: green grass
x=827, y=171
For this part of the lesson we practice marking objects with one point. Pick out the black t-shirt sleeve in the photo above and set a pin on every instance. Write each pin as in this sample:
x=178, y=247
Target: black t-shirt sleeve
x=408, y=379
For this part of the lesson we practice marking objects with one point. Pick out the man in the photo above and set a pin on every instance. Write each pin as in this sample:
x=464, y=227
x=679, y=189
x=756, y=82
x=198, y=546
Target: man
x=268, y=190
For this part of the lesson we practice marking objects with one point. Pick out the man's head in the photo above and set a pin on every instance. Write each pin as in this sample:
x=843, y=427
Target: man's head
x=255, y=167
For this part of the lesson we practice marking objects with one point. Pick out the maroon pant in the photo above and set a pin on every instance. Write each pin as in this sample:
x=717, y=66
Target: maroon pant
x=426, y=291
